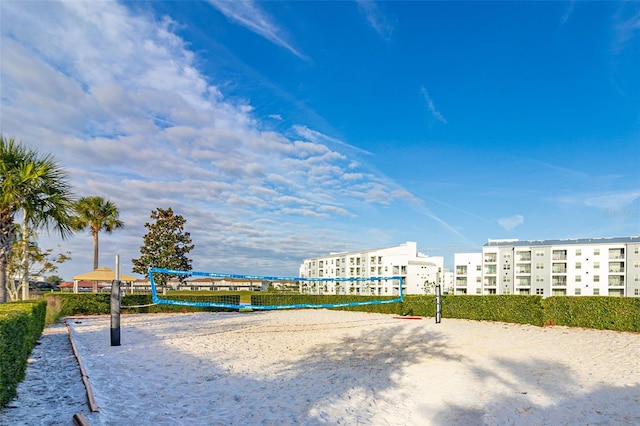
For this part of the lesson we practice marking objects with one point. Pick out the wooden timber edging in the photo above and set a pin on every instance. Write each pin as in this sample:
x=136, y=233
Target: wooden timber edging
x=93, y=405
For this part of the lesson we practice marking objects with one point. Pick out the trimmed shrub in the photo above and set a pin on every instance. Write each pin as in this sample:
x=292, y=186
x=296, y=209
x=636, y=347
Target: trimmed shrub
x=602, y=313
x=21, y=325
x=518, y=309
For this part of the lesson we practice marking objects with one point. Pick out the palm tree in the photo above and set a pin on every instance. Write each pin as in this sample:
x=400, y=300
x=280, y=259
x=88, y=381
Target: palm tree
x=32, y=184
x=97, y=214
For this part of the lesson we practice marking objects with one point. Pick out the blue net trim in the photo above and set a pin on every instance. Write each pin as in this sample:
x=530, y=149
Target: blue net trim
x=156, y=300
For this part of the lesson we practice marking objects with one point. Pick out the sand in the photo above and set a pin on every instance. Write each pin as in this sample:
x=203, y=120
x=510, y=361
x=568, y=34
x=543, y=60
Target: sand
x=330, y=367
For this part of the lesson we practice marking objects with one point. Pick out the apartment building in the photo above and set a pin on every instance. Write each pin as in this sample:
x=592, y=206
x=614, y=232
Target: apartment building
x=569, y=267
x=420, y=272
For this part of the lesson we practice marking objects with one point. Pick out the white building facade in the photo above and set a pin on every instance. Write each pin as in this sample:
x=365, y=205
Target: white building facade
x=571, y=267
x=420, y=272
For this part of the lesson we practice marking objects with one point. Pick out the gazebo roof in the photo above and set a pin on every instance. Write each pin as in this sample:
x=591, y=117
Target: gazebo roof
x=102, y=274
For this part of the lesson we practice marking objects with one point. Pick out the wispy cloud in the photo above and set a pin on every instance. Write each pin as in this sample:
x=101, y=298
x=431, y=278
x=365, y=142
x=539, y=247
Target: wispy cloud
x=119, y=100
x=376, y=18
x=626, y=27
x=511, y=222
x=568, y=12
x=251, y=16
x=317, y=137
x=431, y=106
x=613, y=201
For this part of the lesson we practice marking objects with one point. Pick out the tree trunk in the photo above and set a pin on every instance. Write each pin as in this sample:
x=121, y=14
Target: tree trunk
x=24, y=264
x=7, y=233
x=3, y=278
x=95, y=250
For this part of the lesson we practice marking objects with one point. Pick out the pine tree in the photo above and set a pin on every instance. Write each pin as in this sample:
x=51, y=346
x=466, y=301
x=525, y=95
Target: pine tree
x=166, y=245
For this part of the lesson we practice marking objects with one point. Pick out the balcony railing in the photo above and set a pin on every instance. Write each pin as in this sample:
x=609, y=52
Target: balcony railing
x=616, y=281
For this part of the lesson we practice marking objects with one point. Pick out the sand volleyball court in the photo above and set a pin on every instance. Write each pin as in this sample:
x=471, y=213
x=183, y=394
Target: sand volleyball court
x=313, y=367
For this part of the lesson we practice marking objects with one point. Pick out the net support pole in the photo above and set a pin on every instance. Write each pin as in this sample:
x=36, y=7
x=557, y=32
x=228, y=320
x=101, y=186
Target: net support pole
x=115, y=306
x=438, y=304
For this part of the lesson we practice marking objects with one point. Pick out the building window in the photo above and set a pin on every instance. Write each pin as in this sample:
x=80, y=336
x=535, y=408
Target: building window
x=578, y=292
x=596, y=292
x=479, y=291
x=578, y=278
x=636, y=292
x=539, y=252
x=596, y=278
x=539, y=291
x=539, y=265
x=578, y=265
x=578, y=252
x=596, y=265
x=478, y=268
x=596, y=252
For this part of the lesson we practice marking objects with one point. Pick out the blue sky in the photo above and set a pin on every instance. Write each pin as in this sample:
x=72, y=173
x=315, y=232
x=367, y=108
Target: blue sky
x=286, y=130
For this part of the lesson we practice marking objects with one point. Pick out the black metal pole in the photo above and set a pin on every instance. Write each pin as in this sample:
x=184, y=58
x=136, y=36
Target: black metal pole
x=115, y=313
x=115, y=305
x=438, y=304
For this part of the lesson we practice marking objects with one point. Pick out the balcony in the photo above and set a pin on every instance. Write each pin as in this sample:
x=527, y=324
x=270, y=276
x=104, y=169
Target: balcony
x=461, y=270
x=490, y=282
x=524, y=256
x=460, y=282
x=616, y=253
x=523, y=269
x=490, y=269
x=523, y=282
x=490, y=258
x=559, y=281
x=559, y=268
x=616, y=281
x=559, y=255
x=616, y=267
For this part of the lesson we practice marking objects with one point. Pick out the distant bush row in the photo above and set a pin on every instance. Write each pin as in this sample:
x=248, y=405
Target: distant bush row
x=602, y=313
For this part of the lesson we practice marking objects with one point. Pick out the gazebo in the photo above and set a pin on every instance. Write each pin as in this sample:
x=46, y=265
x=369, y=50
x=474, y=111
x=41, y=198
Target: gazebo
x=102, y=274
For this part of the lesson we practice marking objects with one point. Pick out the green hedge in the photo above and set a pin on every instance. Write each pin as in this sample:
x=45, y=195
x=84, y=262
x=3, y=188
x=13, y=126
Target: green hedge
x=607, y=313
x=100, y=304
x=21, y=325
x=305, y=299
x=602, y=313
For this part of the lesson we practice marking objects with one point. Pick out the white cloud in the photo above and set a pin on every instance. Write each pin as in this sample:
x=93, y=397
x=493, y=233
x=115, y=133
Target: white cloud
x=509, y=223
x=613, y=201
x=376, y=18
x=117, y=98
x=431, y=106
x=249, y=14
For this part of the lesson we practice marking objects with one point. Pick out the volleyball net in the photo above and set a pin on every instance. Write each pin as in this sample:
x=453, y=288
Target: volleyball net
x=273, y=292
